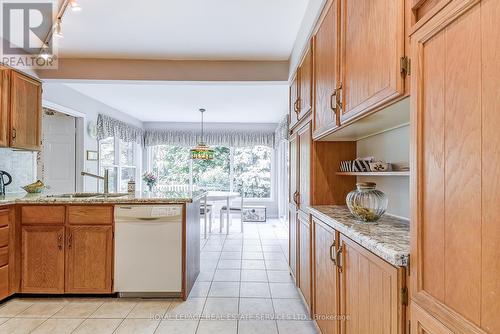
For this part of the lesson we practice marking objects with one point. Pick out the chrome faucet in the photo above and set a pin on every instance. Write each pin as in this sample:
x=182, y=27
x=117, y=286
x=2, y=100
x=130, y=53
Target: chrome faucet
x=105, y=178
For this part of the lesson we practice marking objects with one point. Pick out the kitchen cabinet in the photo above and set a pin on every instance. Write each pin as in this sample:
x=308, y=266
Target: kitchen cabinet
x=4, y=107
x=304, y=180
x=305, y=257
x=6, y=226
x=373, y=45
x=43, y=259
x=89, y=259
x=25, y=112
x=294, y=100
x=326, y=44
x=326, y=276
x=306, y=82
x=371, y=291
x=292, y=240
x=293, y=205
x=455, y=120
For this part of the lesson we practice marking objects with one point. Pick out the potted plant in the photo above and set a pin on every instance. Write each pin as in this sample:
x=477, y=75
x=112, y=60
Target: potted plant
x=150, y=180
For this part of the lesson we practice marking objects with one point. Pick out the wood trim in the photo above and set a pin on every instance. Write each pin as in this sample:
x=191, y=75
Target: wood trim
x=4, y=107
x=89, y=215
x=43, y=214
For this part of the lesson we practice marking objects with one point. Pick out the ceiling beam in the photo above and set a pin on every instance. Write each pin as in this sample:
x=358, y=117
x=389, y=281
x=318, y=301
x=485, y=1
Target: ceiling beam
x=167, y=70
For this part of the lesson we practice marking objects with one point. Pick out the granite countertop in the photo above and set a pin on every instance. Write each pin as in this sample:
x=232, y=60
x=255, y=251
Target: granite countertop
x=137, y=198
x=388, y=239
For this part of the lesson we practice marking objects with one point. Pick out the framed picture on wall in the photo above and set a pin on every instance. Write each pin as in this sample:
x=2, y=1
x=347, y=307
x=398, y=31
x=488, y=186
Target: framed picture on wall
x=92, y=155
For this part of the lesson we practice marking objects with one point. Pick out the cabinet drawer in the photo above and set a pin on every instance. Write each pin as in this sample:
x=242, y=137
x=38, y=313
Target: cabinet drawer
x=4, y=256
x=90, y=215
x=4, y=217
x=42, y=214
x=4, y=236
x=4, y=282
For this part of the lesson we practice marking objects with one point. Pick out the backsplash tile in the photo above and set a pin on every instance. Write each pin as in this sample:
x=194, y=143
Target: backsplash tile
x=21, y=165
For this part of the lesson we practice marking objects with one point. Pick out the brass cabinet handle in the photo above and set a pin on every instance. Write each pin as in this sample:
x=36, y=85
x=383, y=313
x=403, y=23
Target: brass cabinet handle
x=70, y=241
x=14, y=134
x=339, y=91
x=332, y=251
x=339, y=252
x=296, y=106
x=60, y=241
x=333, y=101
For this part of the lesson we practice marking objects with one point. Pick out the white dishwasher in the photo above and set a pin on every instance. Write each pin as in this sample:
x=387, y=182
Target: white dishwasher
x=148, y=250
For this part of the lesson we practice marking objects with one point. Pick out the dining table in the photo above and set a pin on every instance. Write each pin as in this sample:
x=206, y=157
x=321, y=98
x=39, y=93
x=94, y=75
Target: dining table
x=215, y=196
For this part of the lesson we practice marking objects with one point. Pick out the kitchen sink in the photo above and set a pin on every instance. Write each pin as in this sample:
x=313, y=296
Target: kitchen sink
x=88, y=195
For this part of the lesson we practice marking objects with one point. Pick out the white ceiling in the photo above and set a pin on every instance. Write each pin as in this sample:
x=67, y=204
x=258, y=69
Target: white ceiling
x=179, y=102
x=183, y=29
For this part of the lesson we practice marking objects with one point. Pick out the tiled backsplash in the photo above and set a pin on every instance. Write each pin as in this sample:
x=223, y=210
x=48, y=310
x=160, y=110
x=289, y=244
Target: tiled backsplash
x=21, y=165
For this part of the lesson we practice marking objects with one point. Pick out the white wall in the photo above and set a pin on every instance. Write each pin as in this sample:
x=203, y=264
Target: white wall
x=390, y=146
x=64, y=96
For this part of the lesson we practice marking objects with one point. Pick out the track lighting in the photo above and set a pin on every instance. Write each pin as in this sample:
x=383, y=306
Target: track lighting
x=75, y=6
x=58, y=28
x=44, y=53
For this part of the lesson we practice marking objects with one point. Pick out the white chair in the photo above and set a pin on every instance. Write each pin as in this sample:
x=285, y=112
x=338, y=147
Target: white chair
x=209, y=210
x=232, y=209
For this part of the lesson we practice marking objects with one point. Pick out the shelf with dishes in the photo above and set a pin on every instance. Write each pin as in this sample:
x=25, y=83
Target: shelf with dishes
x=370, y=167
x=392, y=173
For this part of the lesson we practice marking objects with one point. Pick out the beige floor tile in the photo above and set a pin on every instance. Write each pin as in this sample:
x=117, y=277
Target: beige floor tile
x=14, y=307
x=20, y=326
x=221, y=308
x=98, y=326
x=256, y=308
x=257, y=327
x=219, y=327
x=77, y=309
x=150, y=309
x=297, y=327
x=115, y=309
x=186, y=310
x=58, y=326
x=42, y=309
x=2, y=320
x=177, y=327
x=137, y=326
x=290, y=309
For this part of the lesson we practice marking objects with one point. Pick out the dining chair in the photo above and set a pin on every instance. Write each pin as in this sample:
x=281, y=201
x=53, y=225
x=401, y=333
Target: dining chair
x=233, y=209
x=206, y=209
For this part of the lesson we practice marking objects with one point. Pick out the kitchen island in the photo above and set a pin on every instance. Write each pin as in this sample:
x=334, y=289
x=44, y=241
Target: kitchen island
x=60, y=244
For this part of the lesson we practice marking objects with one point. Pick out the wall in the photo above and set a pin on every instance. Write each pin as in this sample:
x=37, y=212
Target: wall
x=64, y=96
x=390, y=146
x=21, y=165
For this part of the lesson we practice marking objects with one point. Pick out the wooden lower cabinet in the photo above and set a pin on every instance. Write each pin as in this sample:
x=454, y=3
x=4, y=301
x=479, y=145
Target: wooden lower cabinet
x=292, y=240
x=326, y=296
x=371, y=297
x=89, y=258
x=305, y=257
x=42, y=259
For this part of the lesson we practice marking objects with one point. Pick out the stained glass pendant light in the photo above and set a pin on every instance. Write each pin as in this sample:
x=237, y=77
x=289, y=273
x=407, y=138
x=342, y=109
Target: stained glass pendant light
x=202, y=151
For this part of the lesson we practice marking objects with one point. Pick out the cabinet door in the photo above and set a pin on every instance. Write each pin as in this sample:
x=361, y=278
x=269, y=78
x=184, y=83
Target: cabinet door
x=370, y=292
x=326, y=69
x=292, y=240
x=4, y=107
x=326, y=296
x=373, y=45
x=294, y=169
x=305, y=257
x=89, y=258
x=294, y=100
x=42, y=259
x=25, y=112
x=455, y=99
x=306, y=82
x=305, y=143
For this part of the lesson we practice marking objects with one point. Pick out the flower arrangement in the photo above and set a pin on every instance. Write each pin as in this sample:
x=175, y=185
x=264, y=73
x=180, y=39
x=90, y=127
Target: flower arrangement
x=150, y=180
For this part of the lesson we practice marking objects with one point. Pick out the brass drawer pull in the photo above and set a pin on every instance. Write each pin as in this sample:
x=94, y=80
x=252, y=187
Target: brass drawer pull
x=332, y=256
x=339, y=253
x=60, y=241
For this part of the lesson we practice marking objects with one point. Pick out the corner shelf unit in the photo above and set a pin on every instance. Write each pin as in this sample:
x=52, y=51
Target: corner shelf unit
x=405, y=173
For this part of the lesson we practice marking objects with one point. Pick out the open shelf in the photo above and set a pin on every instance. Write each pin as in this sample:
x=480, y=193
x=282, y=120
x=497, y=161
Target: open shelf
x=407, y=173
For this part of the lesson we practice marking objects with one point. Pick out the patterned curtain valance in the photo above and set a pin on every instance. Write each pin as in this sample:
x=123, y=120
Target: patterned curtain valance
x=111, y=127
x=228, y=138
x=281, y=132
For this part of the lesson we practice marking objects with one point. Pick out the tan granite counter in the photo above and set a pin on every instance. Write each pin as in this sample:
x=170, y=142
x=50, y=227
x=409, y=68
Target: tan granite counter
x=389, y=238
x=137, y=198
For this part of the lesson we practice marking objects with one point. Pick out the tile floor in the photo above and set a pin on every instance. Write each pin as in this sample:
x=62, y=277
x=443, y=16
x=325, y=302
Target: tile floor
x=244, y=287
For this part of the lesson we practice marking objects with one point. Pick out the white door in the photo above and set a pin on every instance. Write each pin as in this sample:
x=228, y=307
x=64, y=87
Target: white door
x=59, y=152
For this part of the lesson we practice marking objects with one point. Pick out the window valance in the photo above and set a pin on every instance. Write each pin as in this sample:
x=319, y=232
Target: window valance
x=228, y=138
x=111, y=127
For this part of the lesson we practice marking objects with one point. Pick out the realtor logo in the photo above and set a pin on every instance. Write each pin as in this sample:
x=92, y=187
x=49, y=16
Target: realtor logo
x=25, y=28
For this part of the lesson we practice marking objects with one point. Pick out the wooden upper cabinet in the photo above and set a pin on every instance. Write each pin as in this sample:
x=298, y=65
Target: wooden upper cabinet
x=89, y=257
x=305, y=281
x=370, y=292
x=326, y=296
x=455, y=99
x=306, y=83
x=25, y=112
x=294, y=99
x=305, y=152
x=4, y=107
x=373, y=40
x=326, y=72
x=42, y=259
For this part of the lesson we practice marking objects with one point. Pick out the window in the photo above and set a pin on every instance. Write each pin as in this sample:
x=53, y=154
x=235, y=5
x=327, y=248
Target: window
x=244, y=170
x=120, y=158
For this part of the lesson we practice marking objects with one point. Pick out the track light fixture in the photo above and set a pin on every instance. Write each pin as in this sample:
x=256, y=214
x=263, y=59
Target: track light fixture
x=75, y=6
x=58, y=28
